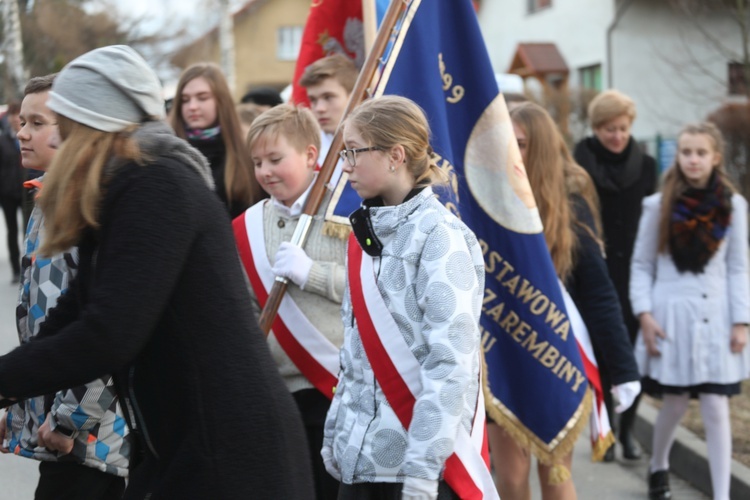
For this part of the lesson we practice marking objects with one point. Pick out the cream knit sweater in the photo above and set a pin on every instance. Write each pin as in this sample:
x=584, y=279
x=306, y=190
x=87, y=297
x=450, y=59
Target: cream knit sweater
x=320, y=301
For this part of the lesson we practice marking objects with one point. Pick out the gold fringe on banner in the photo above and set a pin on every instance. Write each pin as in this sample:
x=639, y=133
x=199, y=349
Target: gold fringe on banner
x=601, y=446
x=552, y=454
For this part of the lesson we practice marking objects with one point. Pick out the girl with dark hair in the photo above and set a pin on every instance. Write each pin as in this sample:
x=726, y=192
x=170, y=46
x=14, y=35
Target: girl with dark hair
x=205, y=115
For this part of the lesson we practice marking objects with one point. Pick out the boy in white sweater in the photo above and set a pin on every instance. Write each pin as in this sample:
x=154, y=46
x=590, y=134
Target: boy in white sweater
x=307, y=332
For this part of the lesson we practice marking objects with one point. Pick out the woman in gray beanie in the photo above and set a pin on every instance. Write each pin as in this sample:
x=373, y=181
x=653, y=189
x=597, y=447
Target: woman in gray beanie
x=160, y=298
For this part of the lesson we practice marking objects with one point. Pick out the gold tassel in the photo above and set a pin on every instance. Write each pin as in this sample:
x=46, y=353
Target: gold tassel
x=336, y=230
x=558, y=474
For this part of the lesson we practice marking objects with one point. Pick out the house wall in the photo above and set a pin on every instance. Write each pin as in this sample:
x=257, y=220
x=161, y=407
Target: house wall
x=255, y=38
x=255, y=44
x=664, y=61
x=577, y=27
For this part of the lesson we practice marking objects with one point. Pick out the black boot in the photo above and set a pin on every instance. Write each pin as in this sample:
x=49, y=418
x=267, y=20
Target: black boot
x=630, y=449
x=658, y=485
x=609, y=455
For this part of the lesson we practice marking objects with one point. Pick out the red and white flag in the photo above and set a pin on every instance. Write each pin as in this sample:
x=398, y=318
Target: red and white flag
x=332, y=27
x=599, y=425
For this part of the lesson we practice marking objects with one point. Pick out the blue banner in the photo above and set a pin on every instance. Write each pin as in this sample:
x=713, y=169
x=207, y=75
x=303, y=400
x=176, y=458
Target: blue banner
x=537, y=388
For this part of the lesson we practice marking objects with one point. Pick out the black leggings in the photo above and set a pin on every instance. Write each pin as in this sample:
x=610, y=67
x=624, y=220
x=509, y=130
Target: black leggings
x=386, y=491
x=313, y=407
x=72, y=481
x=10, y=212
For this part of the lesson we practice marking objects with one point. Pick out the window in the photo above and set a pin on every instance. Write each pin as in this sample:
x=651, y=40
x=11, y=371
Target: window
x=288, y=41
x=535, y=5
x=737, y=80
x=590, y=77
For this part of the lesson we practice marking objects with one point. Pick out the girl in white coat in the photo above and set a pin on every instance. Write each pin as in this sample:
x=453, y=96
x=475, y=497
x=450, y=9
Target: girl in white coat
x=689, y=289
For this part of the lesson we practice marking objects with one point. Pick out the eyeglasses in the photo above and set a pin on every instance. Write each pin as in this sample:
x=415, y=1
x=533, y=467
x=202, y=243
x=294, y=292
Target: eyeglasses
x=350, y=155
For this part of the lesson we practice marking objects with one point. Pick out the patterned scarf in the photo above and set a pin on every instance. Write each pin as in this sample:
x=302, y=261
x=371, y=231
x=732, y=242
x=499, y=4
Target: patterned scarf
x=203, y=134
x=700, y=218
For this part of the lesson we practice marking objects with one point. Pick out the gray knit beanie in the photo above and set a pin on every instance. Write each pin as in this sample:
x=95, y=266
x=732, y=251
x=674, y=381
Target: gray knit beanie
x=107, y=89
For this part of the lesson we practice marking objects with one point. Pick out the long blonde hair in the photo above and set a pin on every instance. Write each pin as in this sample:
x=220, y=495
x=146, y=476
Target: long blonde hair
x=555, y=177
x=239, y=179
x=674, y=182
x=73, y=183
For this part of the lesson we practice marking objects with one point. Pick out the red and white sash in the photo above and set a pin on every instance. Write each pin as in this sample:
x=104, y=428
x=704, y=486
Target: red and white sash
x=311, y=352
x=398, y=373
x=599, y=425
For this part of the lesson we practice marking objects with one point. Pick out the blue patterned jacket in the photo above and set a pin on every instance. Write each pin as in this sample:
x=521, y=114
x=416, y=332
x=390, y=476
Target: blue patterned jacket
x=90, y=413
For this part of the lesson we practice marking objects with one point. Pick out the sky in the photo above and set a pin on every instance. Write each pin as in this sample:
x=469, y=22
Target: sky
x=195, y=16
x=159, y=10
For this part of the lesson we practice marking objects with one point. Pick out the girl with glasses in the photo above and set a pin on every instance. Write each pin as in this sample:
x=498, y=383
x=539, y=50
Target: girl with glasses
x=409, y=388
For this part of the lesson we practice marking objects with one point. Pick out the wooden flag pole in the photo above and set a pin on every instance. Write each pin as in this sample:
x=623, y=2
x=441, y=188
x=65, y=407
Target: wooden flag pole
x=318, y=191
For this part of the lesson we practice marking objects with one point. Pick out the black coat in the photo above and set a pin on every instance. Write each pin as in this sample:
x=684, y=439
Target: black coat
x=620, y=209
x=11, y=170
x=160, y=300
x=216, y=153
x=594, y=295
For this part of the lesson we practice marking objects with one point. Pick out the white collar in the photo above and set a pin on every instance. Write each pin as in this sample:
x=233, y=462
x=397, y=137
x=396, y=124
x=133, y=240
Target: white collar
x=296, y=208
x=325, y=144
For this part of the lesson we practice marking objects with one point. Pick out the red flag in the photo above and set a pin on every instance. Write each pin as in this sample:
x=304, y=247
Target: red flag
x=333, y=26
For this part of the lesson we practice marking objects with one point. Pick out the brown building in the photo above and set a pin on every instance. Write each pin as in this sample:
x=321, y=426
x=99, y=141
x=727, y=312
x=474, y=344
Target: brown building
x=267, y=35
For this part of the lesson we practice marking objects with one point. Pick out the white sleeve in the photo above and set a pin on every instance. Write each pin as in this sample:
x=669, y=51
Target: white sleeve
x=737, y=263
x=645, y=252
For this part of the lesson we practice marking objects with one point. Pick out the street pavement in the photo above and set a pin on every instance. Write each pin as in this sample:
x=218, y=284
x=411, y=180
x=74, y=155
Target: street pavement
x=620, y=480
x=18, y=476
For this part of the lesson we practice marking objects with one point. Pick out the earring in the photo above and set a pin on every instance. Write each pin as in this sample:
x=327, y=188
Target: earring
x=393, y=169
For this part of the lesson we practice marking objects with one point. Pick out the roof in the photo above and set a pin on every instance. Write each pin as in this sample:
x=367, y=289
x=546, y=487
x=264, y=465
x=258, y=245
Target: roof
x=537, y=59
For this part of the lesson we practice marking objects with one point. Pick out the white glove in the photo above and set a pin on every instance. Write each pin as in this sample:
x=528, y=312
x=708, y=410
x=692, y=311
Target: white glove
x=293, y=263
x=329, y=464
x=416, y=488
x=626, y=394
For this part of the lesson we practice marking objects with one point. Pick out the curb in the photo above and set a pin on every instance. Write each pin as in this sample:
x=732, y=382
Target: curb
x=688, y=458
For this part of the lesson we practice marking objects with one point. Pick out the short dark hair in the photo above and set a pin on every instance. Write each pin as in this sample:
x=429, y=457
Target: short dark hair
x=39, y=84
x=265, y=96
x=338, y=66
x=14, y=108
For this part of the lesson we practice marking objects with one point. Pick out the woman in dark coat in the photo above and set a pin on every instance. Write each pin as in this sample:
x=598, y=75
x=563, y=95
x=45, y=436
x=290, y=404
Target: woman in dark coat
x=623, y=176
x=160, y=299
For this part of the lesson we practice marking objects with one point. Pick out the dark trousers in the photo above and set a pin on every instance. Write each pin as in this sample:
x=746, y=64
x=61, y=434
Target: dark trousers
x=313, y=406
x=10, y=208
x=386, y=491
x=622, y=424
x=72, y=481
